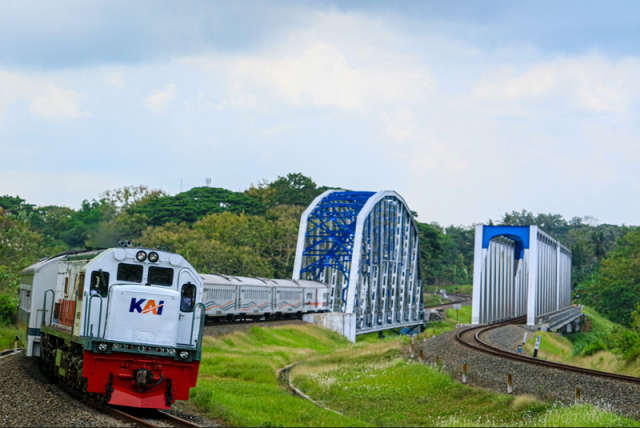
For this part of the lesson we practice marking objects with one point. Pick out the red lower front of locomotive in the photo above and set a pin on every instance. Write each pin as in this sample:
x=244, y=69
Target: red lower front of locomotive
x=141, y=381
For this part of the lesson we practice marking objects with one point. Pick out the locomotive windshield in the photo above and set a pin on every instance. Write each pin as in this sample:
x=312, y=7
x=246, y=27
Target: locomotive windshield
x=160, y=276
x=130, y=273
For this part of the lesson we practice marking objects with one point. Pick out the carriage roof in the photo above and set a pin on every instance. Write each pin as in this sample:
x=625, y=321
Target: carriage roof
x=231, y=280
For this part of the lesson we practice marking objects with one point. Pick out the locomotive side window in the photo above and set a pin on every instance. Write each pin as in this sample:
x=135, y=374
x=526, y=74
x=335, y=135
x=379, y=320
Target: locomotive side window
x=161, y=276
x=99, y=283
x=130, y=273
x=188, y=298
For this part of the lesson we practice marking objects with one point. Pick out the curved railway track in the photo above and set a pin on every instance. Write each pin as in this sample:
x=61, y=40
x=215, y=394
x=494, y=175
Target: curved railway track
x=472, y=338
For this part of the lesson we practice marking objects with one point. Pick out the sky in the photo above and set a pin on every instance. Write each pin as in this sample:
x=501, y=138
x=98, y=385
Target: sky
x=467, y=109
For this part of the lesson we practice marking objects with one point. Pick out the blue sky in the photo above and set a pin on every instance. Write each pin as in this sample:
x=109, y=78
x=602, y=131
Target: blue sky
x=468, y=109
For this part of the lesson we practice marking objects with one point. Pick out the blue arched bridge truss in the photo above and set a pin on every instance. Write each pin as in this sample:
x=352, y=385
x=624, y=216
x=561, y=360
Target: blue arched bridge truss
x=365, y=246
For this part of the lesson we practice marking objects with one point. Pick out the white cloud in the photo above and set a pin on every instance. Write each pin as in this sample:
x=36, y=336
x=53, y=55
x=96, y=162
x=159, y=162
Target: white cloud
x=592, y=84
x=321, y=75
x=115, y=80
x=58, y=103
x=158, y=101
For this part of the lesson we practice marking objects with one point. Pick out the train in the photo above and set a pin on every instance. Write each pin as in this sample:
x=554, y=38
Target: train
x=123, y=325
x=230, y=298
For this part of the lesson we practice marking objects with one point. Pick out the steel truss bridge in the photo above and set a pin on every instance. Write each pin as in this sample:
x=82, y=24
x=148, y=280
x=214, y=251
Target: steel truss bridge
x=365, y=246
x=518, y=271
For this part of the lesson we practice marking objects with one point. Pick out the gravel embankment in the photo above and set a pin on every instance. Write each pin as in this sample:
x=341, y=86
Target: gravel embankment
x=491, y=373
x=507, y=338
x=28, y=398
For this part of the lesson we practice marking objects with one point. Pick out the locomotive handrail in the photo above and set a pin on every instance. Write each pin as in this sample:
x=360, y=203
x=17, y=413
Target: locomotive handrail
x=88, y=316
x=193, y=323
x=44, y=306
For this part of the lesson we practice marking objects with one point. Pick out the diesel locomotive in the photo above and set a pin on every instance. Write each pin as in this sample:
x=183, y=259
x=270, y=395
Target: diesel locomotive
x=122, y=324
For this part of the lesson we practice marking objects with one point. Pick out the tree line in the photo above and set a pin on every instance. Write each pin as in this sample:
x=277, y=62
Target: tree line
x=252, y=233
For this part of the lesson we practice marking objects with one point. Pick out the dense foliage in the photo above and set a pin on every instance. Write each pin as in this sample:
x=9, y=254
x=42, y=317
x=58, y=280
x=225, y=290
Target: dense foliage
x=255, y=233
x=614, y=290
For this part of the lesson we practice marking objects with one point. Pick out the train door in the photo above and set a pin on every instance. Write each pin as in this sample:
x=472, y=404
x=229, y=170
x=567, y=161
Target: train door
x=188, y=299
x=78, y=304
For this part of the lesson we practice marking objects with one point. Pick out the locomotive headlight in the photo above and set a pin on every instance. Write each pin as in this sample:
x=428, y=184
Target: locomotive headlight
x=184, y=355
x=154, y=257
x=102, y=347
x=141, y=256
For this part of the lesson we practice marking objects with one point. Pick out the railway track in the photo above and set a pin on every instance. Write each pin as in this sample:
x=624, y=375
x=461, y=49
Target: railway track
x=10, y=352
x=145, y=417
x=472, y=338
x=139, y=417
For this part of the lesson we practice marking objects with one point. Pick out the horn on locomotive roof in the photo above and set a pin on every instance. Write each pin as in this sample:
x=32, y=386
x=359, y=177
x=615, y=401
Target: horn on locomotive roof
x=125, y=243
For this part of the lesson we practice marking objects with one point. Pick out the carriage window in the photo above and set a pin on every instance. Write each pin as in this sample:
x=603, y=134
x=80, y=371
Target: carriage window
x=99, y=283
x=130, y=273
x=161, y=276
x=188, y=298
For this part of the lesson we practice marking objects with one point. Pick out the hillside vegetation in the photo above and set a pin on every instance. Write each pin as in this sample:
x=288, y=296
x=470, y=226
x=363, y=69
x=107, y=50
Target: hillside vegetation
x=603, y=347
x=371, y=383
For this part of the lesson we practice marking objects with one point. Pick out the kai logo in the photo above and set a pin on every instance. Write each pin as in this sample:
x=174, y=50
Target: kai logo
x=150, y=307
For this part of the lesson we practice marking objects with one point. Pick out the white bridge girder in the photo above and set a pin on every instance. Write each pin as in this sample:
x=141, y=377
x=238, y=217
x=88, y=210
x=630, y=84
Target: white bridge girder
x=518, y=271
x=365, y=246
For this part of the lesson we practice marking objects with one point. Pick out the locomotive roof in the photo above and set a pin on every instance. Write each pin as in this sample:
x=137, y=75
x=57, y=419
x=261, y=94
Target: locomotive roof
x=220, y=279
x=86, y=254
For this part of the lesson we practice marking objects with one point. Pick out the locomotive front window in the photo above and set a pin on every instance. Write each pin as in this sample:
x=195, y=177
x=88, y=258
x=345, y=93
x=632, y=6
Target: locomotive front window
x=160, y=276
x=130, y=273
x=99, y=283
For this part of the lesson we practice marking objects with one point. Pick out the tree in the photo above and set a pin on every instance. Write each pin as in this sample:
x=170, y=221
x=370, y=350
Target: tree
x=599, y=244
x=294, y=189
x=195, y=204
x=614, y=290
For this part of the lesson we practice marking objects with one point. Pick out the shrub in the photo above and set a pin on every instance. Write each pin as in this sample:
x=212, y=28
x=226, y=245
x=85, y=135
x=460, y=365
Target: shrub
x=8, y=307
x=594, y=347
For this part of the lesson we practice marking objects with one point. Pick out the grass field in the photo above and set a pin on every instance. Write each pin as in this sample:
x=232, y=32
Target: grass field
x=371, y=383
x=375, y=384
x=238, y=383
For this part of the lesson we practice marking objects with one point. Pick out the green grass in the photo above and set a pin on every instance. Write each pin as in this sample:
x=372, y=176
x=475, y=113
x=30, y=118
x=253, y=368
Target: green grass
x=376, y=385
x=450, y=322
x=434, y=299
x=600, y=326
x=7, y=337
x=371, y=383
x=238, y=385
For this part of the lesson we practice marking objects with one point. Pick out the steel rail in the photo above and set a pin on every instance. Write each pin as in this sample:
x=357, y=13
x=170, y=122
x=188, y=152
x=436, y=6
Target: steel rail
x=479, y=345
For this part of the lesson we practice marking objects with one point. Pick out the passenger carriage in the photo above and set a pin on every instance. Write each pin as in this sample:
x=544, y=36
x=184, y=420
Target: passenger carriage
x=234, y=297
